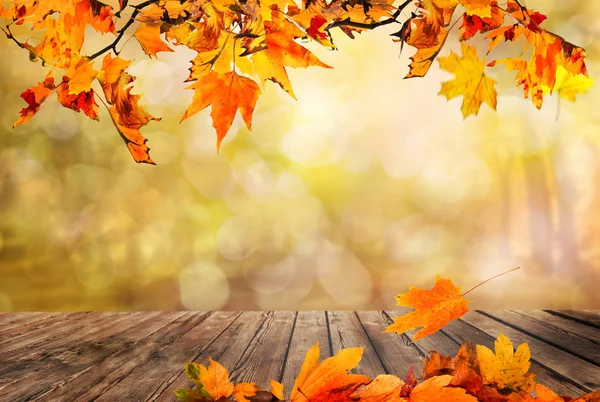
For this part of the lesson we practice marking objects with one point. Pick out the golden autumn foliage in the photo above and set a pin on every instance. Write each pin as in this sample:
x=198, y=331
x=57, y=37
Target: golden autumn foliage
x=241, y=44
x=474, y=374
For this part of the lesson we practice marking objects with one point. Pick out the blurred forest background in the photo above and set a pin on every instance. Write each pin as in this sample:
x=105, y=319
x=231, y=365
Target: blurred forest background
x=339, y=200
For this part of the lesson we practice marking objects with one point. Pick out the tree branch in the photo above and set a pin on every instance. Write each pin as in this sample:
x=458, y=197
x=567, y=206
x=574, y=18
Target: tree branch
x=121, y=32
x=349, y=23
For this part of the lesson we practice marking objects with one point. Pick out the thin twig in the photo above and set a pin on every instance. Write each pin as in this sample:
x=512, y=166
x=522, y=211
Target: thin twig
x=121, y=32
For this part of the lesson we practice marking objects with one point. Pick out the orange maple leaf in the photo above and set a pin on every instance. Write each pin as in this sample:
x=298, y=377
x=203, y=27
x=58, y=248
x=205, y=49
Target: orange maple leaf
x=127, y=115
x=433, y=308
x=329, y=380
x=226, y=93
x=36, y=97
x=148, y=34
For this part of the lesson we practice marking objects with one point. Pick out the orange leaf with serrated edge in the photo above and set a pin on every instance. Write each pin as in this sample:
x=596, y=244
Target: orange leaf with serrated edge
x=227, y=93
x=243, y=390
x=384, y=388
x=329, y=380
x=216, y=380
x=437, y=389
x=81, y=73
x=433, y=308
x=35, y=97
x=82, y=101
x=127, y=115
x=148, y=34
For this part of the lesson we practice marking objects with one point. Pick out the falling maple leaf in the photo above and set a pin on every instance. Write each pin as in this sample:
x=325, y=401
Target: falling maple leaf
x=470, y=82
x=433, y=308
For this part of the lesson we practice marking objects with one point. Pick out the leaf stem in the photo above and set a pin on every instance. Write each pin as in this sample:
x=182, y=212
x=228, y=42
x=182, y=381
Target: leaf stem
x=489, y=279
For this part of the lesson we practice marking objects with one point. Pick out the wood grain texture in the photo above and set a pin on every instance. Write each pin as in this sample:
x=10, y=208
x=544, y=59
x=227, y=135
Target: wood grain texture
x=227, y=349
x=47, y=357
x=397, y=352
x=346, y=331
x=557, y=337
x=567, y=325
x=310, y=328
x=166, y=362
x=588, y=317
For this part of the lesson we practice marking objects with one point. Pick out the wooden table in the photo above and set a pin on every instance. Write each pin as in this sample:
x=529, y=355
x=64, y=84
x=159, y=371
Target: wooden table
x=139, y=356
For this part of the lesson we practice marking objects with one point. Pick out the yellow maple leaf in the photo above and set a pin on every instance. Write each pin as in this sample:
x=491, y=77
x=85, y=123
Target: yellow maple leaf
x=506, y=368
x=81, y=73
x=433, y=308
x=568, y=85
x=480, y=8
x=470, y=82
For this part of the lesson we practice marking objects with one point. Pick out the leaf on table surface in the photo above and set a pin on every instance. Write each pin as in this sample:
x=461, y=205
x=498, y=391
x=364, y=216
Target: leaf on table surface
x=507, y=368
x=329, y=380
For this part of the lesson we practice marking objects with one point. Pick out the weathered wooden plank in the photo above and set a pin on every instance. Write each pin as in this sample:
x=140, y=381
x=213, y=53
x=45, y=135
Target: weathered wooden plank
x=15, y=321
x=589, y=317
x=9, y=318
x=583, y=373
x=567, y=325
x=166, y=364
x=461, y=331
x=264, y=358
x=73, y=330
x=227, y=349
x=38, y=328
x=397, y=352
x=575, y=345
x=60, y=364
x=154, y=335
x=346, y=331
x=310, y=328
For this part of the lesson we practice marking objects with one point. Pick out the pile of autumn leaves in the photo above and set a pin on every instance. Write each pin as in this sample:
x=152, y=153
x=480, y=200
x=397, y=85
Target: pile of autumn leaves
x=474, y=374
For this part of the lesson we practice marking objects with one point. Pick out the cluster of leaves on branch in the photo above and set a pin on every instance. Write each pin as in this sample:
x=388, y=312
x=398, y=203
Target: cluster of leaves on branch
x=241, y=44
x=474, y=374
